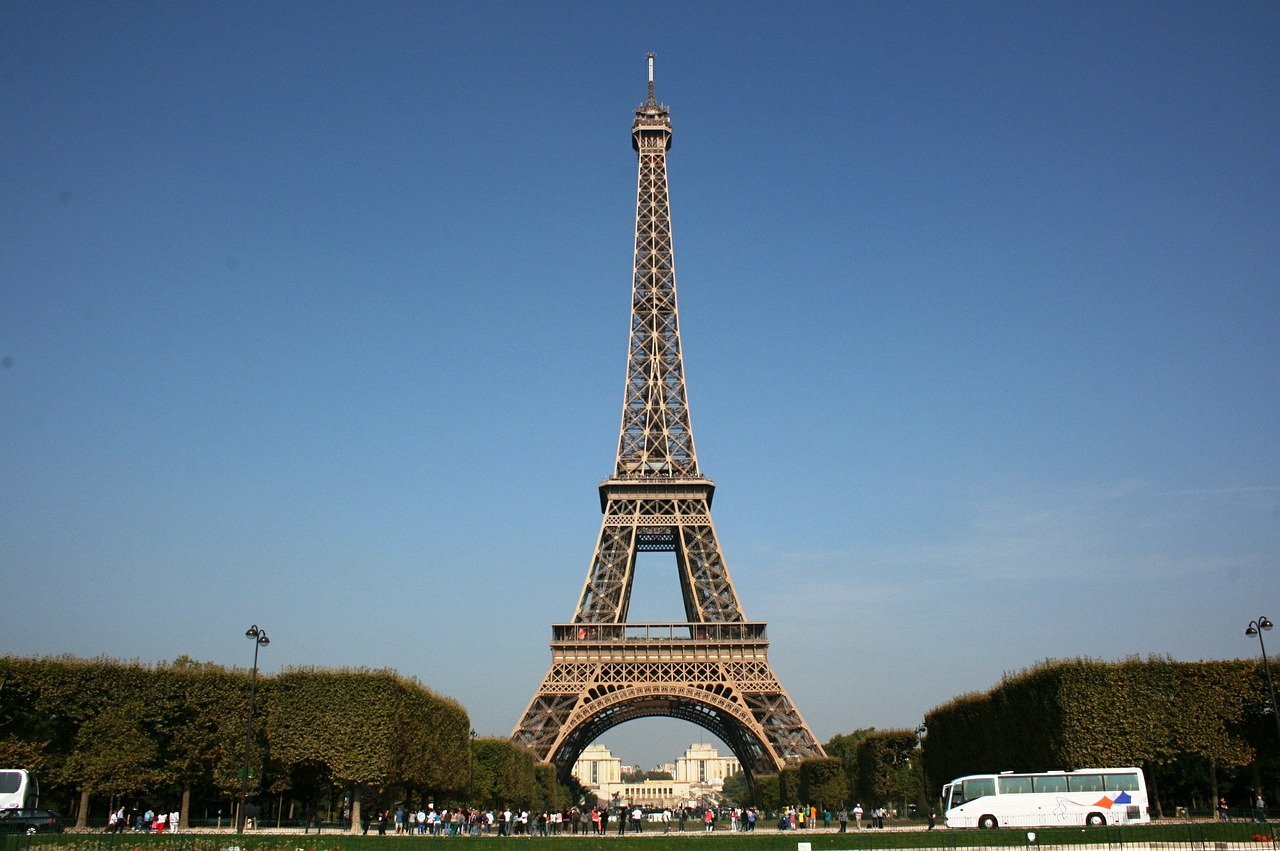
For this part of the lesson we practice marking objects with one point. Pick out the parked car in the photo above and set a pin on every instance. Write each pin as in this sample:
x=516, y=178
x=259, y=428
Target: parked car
x=30, y=821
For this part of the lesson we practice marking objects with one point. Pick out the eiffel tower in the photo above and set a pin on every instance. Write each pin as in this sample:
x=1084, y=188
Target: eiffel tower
x=712, y=669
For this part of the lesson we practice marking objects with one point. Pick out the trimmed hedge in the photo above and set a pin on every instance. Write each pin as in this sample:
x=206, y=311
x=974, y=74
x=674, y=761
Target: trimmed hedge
x=1085, y=713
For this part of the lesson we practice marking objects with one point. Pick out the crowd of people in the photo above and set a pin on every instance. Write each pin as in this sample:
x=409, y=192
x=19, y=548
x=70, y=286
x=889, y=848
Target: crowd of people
x=463, y=821
x=143, y=822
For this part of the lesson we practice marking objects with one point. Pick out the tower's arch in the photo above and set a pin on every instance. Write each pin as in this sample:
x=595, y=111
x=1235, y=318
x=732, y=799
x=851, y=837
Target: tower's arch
x=715, y=675
x=719, y=716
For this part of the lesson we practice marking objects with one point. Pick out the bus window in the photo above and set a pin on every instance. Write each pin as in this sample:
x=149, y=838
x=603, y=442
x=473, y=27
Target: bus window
x=1015, y=785
x=1121, y=782
x=1085, y=782
x=1054, y=783
x=979, y=787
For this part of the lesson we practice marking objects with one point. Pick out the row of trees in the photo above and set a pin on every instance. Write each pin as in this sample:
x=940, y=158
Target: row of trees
x=863, y=766
x=103, y=733
x=1200, y=730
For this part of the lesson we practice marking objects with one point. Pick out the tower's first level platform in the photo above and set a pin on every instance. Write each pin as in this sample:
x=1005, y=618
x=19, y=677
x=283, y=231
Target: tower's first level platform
x=658, y=641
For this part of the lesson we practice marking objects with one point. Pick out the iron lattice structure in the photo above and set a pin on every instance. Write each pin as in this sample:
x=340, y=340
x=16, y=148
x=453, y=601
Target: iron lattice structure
x=712, y=669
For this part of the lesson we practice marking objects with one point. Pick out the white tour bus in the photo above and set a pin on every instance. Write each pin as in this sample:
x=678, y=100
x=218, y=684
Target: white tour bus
x=18, y=789
x=1093, y=796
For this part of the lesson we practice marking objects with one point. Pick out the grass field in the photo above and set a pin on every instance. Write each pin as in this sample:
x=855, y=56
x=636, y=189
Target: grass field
x=1171, y=835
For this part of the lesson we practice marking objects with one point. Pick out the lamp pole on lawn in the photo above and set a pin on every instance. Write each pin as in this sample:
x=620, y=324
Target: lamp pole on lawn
x=1261, y=625
x=260, y=640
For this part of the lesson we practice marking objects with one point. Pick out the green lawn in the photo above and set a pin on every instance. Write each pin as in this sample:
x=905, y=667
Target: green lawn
x=1194, y=836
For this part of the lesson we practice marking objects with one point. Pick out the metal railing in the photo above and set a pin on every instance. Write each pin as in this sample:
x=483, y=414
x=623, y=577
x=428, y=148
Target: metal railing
x=588, y=633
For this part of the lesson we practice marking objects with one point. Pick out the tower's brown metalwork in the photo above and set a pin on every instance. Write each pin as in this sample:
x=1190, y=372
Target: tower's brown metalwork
x=712, y=669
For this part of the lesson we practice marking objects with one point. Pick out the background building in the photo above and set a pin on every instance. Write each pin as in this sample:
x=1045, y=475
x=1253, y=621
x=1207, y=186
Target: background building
x=698, y=778
x=597, y=766
x=703, y=765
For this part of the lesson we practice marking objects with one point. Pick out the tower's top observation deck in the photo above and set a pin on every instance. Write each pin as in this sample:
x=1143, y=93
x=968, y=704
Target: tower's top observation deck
x=653, y=120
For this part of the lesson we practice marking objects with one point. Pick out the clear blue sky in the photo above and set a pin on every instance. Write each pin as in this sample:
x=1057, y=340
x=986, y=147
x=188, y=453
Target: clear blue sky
x=314, y=316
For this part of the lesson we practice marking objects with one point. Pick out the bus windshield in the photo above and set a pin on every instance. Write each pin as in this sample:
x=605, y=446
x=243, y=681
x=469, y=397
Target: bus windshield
x=18, y=789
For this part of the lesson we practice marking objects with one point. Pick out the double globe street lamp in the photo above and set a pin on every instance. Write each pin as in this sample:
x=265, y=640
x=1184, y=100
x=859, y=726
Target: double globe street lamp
x=1257, y=627
x=259, y=638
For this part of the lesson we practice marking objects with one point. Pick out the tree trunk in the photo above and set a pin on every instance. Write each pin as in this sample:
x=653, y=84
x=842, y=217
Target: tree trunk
x=357, y=790
x=82, y=817
x=184, y=809
x=1154, y=792
x=1213, y=785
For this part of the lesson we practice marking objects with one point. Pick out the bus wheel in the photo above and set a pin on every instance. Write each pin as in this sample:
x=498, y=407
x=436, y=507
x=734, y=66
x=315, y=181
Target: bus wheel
x=1095, y=820
x=988, y=823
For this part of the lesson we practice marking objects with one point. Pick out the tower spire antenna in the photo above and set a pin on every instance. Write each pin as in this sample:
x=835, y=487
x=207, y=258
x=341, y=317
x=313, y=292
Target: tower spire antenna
x=652, y=99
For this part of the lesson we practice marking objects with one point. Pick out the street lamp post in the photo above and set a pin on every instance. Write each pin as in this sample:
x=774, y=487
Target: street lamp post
x=922, y=733
x=1258, y=627
x=260, y=640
